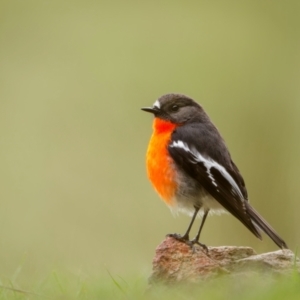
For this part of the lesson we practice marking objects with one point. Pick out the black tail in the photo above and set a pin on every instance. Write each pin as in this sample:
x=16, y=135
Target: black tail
x=262, y=224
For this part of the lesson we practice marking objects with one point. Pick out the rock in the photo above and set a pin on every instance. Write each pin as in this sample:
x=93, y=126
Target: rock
x=176, y=262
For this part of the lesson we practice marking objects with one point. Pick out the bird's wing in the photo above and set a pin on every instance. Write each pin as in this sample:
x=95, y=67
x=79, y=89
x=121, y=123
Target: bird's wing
x=214, y=175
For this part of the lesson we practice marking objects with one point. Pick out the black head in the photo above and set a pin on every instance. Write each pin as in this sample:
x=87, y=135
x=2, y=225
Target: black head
x=177, y=108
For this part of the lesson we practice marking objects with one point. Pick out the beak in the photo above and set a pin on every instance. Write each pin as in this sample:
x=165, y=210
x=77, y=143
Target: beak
x=152, y=110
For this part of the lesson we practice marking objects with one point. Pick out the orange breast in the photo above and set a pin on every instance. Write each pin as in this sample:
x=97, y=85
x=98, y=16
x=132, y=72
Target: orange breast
x=159, y=164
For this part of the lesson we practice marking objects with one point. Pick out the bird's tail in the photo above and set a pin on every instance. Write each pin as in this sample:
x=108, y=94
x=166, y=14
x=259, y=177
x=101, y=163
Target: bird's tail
x=262, y=224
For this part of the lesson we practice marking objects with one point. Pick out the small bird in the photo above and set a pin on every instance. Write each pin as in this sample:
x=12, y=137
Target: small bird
x=190, y=167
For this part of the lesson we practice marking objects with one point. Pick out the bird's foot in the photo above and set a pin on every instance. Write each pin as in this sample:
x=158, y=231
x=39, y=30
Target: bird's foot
x=196, y=242
x=179, y=237
x=185, y=239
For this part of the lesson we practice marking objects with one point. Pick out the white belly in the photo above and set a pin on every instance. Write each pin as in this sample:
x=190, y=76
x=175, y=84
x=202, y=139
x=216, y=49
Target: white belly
x=187, y=205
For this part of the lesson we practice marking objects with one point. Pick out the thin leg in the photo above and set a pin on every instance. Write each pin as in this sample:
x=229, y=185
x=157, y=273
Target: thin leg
x=196, y=239
x=201, y=226
x=185, y=237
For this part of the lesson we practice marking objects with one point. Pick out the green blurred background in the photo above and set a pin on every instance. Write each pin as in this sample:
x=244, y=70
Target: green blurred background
x=73, y=77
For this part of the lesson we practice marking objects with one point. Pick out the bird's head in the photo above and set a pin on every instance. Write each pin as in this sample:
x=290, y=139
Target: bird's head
x=177, y=108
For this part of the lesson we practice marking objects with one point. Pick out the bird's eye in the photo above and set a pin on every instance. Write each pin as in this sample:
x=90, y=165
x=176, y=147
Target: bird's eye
x=174, y=108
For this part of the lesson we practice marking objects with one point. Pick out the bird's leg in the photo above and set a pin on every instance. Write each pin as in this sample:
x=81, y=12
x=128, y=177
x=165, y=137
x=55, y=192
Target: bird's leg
x=196, y=239
x=185, y=237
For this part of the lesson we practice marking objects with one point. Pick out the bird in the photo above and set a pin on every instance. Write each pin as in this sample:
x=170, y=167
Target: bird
x=190, y=167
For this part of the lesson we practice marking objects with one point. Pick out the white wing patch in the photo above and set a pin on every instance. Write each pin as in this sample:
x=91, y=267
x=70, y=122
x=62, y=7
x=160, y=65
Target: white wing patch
x=209, y=163
x=156, y=104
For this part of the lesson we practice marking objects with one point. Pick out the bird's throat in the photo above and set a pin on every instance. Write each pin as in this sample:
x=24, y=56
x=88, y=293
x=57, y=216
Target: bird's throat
x=163, y=126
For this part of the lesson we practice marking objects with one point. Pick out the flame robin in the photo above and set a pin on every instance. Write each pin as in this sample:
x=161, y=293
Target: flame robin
x=191, y=168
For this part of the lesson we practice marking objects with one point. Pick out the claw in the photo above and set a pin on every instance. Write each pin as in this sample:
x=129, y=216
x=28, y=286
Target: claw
x=203, y=246
x=179, y=237
x=185, y=239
